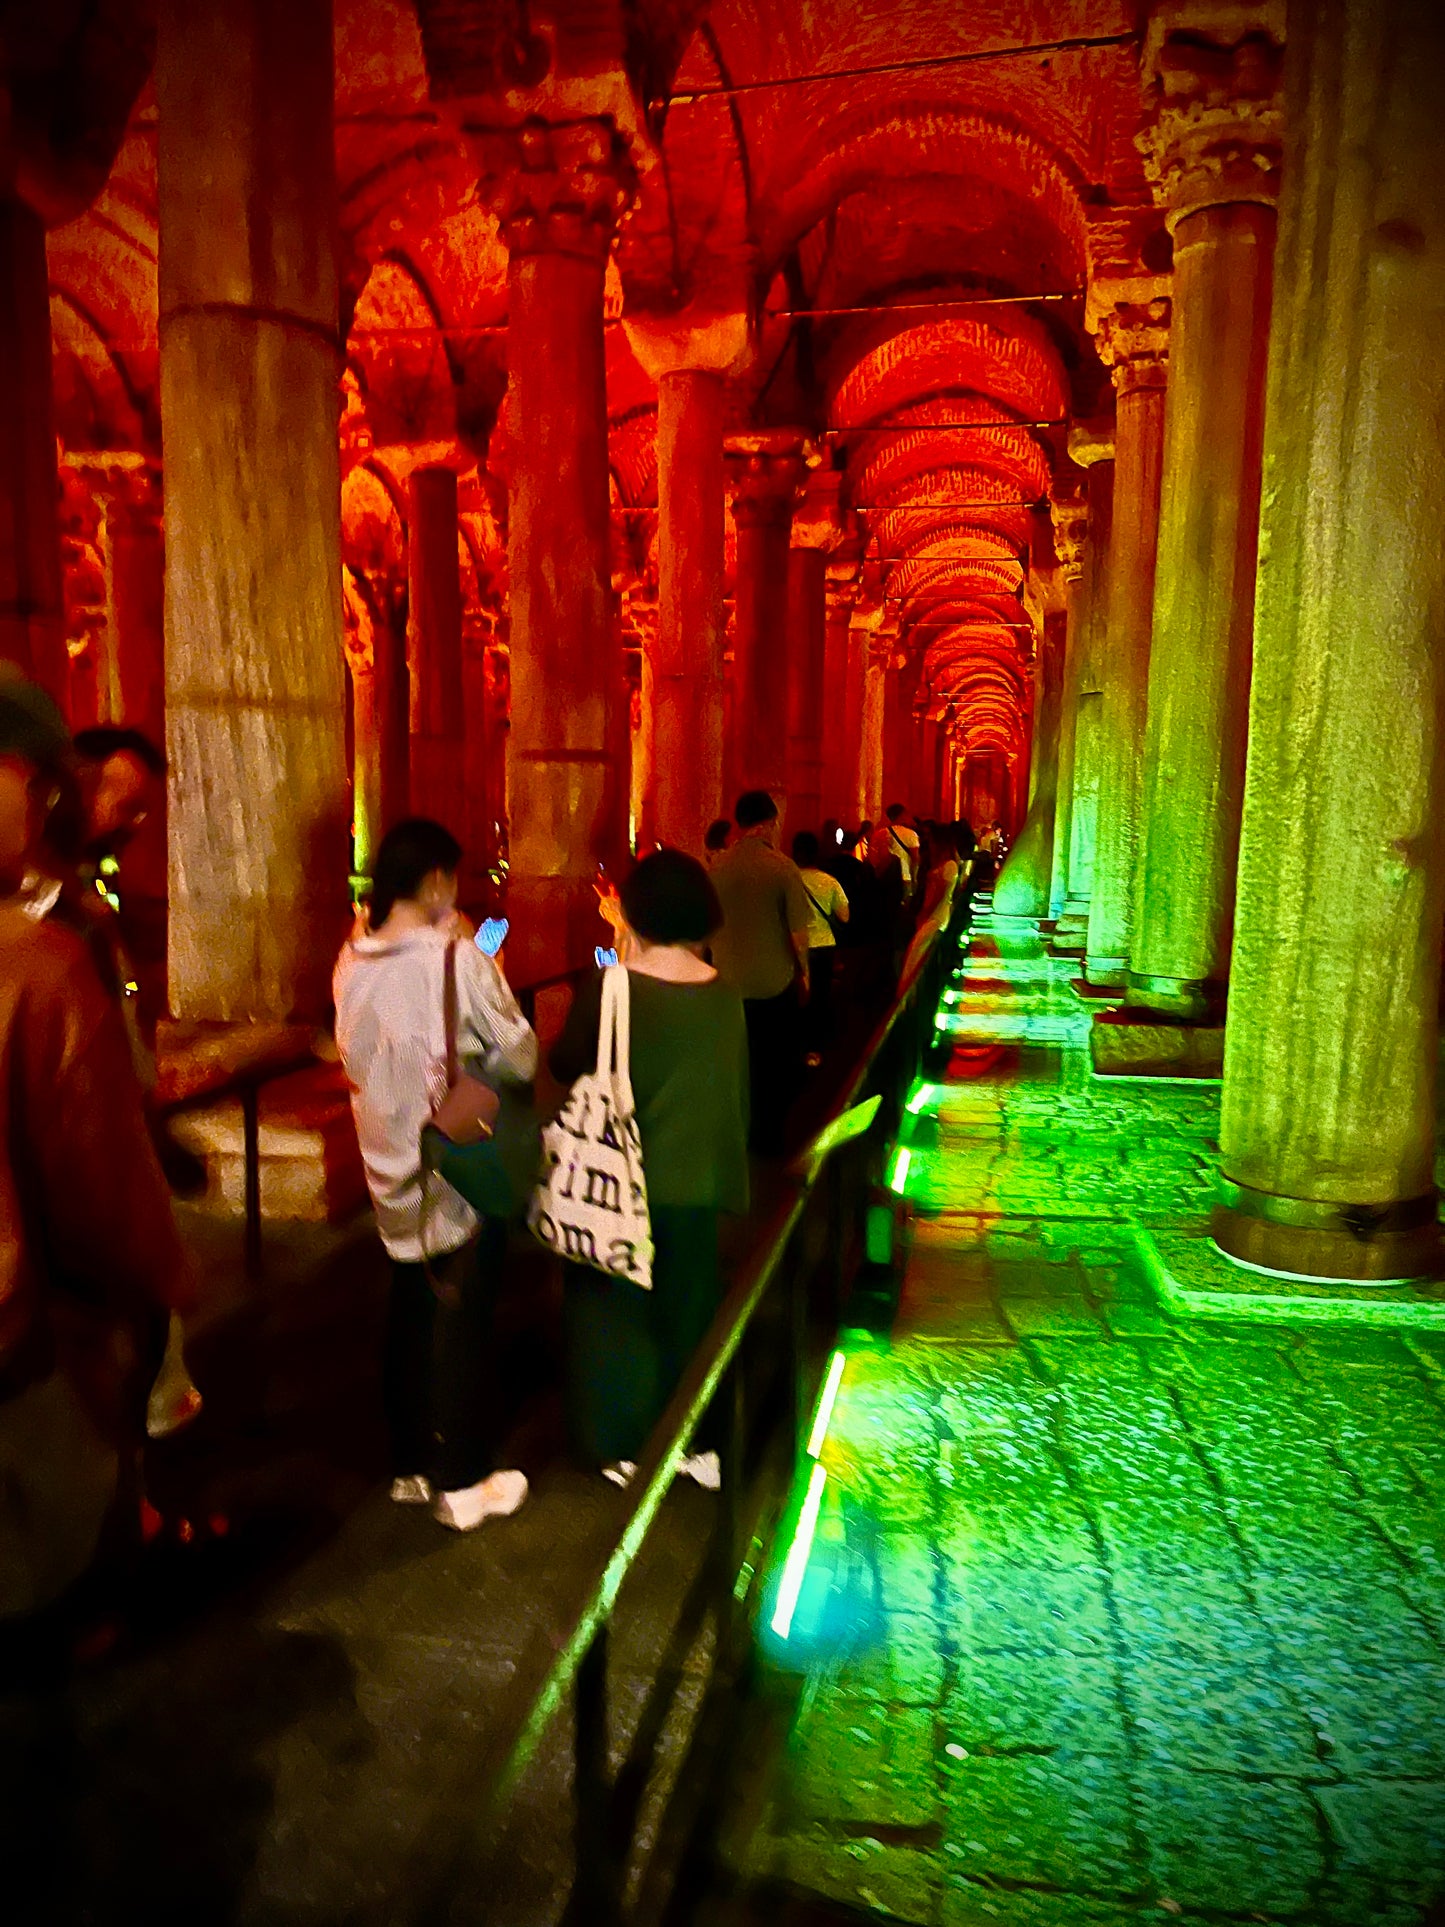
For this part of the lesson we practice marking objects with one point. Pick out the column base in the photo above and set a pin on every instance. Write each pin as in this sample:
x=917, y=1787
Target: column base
x=1187, y=1000
x=1304, y=1238
x=1128, y=1042
x=1112, y=973
x=1192, y=1278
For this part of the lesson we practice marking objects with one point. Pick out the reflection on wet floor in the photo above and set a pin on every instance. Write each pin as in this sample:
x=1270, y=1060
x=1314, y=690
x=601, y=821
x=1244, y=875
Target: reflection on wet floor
x=1100, y=1614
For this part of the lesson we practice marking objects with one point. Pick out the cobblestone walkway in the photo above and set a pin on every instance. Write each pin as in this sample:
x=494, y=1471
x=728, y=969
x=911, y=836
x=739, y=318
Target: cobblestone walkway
x=1107, y=1616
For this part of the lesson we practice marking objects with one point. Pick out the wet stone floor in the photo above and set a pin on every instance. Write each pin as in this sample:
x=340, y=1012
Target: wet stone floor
x=1105, y=1616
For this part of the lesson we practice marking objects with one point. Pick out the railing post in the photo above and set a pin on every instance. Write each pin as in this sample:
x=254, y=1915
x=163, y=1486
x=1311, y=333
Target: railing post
x=597, y=1892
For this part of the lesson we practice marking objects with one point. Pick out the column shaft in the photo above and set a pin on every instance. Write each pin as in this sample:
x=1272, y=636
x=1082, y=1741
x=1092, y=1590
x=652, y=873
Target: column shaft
x=1199, y=662
x=1328, y=1126
x=870, y=749
x=808, y=631
x=135, y=692
x=255, y=707
x=1138, y=468
x=32, y=617
x=434, y=648
x=1022, y=889
x=837, y=783
x=687, y=669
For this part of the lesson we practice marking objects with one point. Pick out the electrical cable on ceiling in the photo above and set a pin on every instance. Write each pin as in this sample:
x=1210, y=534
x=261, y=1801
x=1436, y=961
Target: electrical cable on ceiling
x=1077, y=44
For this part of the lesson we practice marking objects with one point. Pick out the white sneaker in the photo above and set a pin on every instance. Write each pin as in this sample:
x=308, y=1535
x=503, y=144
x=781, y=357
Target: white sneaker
x=704, y=1469
x=495, y=1498
x=411, y=1490
x=621, y=1472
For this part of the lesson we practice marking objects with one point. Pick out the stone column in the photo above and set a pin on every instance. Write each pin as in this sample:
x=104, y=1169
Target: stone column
x=1328, y=1126
x=1213, y=147
x=437, y=711
x=766, y=470
x=1091, y=447
x=32, y=611
x=135, y=566
x=1022, y=889
x=1071, y=533
x=558, y=191
x=250, y=357
x=1131, y=321
x=842, y=597
x=808, y=627
x=687, y=674
x=863, y=624
x=870, y=748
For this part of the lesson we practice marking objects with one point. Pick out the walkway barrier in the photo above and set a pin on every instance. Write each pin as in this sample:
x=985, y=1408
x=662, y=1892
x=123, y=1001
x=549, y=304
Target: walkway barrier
x=757, y=1374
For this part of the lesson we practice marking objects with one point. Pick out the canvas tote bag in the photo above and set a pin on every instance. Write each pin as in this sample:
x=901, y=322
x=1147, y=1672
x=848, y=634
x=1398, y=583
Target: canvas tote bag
x=591, y=1202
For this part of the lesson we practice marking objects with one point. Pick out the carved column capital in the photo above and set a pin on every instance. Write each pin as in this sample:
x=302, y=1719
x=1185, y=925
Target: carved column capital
x=556, y=189
x=1070, y=515
x=1129, y=320
x=766, y=473
x=1213, y=88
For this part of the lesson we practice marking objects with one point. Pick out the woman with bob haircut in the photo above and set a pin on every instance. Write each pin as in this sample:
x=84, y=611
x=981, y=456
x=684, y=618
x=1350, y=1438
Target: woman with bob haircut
x=627, y=1348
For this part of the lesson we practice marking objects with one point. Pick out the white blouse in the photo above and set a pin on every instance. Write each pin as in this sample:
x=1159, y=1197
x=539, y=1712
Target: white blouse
x=391, y=1033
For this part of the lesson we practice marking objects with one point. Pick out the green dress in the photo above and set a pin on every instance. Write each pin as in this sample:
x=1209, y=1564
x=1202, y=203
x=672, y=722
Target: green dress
x=627, y=1349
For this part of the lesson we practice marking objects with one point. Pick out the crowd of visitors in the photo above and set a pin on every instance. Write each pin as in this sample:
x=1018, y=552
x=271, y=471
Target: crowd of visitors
x=736, y=976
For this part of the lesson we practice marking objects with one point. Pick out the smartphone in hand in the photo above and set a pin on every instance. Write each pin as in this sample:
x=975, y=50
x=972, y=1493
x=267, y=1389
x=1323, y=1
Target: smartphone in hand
x=492, y=935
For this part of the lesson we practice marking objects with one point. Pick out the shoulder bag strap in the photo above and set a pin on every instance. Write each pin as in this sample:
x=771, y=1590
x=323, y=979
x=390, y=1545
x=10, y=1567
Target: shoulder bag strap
x=824, y=914
x=622, y=1035
x=449, y=1009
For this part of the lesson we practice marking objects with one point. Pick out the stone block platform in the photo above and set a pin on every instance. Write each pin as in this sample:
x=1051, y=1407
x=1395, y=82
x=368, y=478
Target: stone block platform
x=310, y=1163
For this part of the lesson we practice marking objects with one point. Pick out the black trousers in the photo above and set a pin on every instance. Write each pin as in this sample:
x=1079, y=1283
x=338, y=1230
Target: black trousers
x=775, y=1068
x=627, y=1349
x=440, y=1371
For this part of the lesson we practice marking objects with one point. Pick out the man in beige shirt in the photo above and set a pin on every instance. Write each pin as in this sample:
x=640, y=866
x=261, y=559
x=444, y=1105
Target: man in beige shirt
x=762, y=949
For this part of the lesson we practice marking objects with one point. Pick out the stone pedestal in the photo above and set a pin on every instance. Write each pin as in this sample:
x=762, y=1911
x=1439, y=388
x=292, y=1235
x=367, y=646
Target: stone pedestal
x=558, y=190
x=437, y=711
x=250, y=357
x=766, y=471
x=1329, y=1114
x=32, y=619
x=1133, y=337
x=1215, y=153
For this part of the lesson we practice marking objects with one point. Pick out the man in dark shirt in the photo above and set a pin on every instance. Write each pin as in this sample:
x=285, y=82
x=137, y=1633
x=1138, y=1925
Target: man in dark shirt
x=762, y=950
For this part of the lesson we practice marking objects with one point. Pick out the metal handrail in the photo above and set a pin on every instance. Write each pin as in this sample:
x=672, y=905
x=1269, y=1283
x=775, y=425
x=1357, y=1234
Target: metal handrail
x=574, y=1655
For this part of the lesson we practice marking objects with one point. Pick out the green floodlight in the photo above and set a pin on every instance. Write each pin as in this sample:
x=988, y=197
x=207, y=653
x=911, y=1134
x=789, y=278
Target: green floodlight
x=825, y=1405
x=902, y=1160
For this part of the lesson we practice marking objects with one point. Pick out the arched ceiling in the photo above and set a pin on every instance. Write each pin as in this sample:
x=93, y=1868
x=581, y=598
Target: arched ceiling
x=898, y=193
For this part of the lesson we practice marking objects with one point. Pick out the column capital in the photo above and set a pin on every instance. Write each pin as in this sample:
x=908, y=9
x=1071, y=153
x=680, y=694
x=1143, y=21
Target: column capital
x=556, y=189
x=1213, y=74
x=766, y=472
x=688, y=341
x=1129, y=316
x=1070, y=515
x=817, y=520
x=1091, y=442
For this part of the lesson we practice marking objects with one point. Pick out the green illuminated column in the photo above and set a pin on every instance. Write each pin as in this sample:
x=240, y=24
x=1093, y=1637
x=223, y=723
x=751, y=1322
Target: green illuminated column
x=1091, y=446
x=1328, y=1129
x=1214, y=149
x=1071, y=531
x=1022, y=889
x=1131, y=320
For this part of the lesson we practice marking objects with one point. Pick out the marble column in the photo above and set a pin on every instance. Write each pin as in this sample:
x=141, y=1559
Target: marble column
x=437, y=711
x=766, y=471
x=134, y=678
x=1091, y=447
x=842, y=597
x=1022, y=889
x=1328, y=1131
x=1217, y=172
x=807, y=643
x=249, y=360
x=1071, y=534
x=1133, y=335
x=558, y=191
x=687, y=669
x=32, y=613
x=870, y=747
